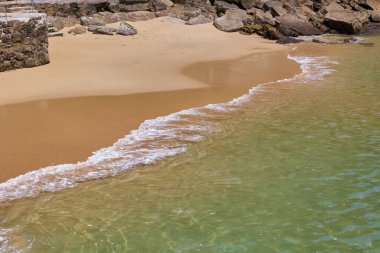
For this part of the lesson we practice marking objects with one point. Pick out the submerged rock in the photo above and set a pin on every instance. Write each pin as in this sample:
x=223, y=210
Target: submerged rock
x=288, y=40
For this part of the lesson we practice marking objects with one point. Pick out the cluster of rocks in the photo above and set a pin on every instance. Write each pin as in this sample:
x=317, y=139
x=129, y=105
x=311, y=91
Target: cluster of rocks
x=99, y=27
x=276, y=19
x=272, y=19
x=23, y=41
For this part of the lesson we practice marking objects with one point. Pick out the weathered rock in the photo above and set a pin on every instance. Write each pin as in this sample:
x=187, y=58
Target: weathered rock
x=333, y=6
x=61, y=22
x=232, y=21
x=297, y=25
x=276, y=8
x=371, y=28
x=102, y=30
x=288, y=40
x=190, y=12
x=78, y=30
x=87, y=21
x=272, y=33
x=369, y=4
x=113, y=5
x=137, y=16
x=346, y=21
x=375, y=16
x=355, y=6
x=160, y=5
x=198, y=20
x=222, y=7
x=126, y=29
x=107, y=17
x=261, y=16
x=23, y=41
x=134, y=7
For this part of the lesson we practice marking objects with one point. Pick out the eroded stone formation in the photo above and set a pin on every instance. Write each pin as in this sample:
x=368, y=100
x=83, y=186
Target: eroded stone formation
x=24, y=41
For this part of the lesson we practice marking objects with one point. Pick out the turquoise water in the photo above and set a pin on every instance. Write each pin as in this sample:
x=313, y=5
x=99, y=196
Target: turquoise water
x=295, y=169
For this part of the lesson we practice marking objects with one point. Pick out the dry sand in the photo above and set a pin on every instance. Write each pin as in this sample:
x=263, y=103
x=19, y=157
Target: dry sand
x=70, y=107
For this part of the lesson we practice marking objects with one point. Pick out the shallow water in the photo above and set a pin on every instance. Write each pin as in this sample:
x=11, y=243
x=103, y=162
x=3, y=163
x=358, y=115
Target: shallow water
x=292, y=167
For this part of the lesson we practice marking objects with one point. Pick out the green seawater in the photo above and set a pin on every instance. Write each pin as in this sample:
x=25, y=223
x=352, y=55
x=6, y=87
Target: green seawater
x=296, y=171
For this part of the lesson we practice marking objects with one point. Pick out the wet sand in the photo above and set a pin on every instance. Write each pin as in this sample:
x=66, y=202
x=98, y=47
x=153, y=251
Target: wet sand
x=54, y=129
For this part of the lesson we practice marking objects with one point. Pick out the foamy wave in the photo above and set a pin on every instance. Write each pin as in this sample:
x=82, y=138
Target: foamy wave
x=154, y=140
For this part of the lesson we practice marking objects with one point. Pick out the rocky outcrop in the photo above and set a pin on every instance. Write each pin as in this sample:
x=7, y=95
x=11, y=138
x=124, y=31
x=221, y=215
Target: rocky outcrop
x=24, y=41
x=297, y=25
x=346, y=21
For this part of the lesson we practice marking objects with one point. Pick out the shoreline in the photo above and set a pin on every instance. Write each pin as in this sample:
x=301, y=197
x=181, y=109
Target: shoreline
x=64, y=130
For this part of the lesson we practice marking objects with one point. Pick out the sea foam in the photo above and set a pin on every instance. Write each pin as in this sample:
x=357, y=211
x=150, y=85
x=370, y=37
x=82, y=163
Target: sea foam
x=154, y=140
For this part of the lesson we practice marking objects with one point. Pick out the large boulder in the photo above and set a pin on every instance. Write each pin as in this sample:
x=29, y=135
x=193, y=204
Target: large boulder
x=297, y=25
x=375, y=16
x=350, y=22
x=232, y=21
x=222, y=6
x=275, y=7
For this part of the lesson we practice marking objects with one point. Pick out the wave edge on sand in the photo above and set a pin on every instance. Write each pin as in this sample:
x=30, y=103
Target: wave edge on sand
x=154, y=140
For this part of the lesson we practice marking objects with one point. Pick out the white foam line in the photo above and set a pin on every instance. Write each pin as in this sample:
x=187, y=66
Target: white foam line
x=154, y=140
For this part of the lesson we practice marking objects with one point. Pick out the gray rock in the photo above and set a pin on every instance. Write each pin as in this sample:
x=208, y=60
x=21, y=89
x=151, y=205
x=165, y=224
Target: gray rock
x=375, y=16
x=190, y=12
x=137, y=16
x=369, y=4
x=288, y=40
x=333, y=6
x=134, y=7
x=91, y=21
x=261, y=16
x=232, y=21
x=346, y=21
x=160, y=5
x=107, y=17
x=222, y=6
x=102, y=30
x=126, y=29
x=198, y=20
x=276, y=8
x=300, y=26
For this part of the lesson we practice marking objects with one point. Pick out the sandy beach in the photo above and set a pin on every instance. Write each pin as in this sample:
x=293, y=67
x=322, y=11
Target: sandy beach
x=97, y=88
